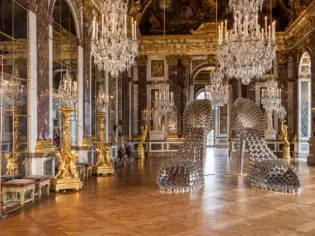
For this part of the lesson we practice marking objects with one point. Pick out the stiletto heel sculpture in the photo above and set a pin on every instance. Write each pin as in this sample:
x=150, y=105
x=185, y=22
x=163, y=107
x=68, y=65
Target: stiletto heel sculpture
x=184, y=172
x=265, y=170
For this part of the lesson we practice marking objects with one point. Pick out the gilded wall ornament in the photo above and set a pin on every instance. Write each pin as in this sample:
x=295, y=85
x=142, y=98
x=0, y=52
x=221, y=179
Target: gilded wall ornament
x=157, y=68
x=142, y=60
x=186, y=60
x=172, y=60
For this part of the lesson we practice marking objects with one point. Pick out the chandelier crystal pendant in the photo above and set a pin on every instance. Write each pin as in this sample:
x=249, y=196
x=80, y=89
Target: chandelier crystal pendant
x=67, y=91
x=217, y=92
x=248, y=50
x=111, y=46
x=164, y=100
x=102, y=101
x=271, y=96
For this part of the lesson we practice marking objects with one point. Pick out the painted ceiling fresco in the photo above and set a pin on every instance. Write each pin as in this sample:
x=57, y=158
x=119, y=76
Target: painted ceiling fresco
x=182, y=16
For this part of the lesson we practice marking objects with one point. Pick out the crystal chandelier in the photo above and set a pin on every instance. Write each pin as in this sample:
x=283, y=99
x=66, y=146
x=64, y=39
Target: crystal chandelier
x=217, y=92
x=102, y=101
x=164, y=100
x=111, y=46
x=248, y=50
x=271, y=96
x=13, y=91
x=67, y=91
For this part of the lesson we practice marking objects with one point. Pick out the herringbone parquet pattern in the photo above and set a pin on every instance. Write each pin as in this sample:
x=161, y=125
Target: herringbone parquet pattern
x=129, y=204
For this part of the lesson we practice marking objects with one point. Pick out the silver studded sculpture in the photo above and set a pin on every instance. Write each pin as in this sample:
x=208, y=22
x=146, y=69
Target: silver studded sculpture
x=264, y=170
x=184, y=171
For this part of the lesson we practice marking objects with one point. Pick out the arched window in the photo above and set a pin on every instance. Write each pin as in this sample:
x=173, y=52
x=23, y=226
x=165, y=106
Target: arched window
x=304, y=101
x=201, y=94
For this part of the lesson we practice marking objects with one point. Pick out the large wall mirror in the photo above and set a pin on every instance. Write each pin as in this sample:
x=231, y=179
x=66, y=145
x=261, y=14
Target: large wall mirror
x=64, y=60
x=13, y=90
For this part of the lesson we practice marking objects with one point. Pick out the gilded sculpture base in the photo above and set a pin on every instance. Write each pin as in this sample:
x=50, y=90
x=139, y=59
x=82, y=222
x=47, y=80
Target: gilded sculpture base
x=286, y=153
x=141, y=152
x=66, y=184
x=103, y=170
x=44, y=146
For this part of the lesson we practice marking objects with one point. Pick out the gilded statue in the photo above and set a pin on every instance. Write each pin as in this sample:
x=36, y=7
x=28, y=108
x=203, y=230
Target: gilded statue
x=144, y=131
x=67, y=160
x=66, y=177
x=284, y=134
x=143, y=136
x=61, y=167
x=102, y=153
x=12, y=157
x=103, y=164
x=12, y=164
x=204, y=28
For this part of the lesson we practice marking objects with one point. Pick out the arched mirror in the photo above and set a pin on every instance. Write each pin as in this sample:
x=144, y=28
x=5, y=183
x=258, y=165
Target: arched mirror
x=64, y=61
x=13, y=76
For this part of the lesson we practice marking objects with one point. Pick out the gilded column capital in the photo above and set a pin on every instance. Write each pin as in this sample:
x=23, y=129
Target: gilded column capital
x=186, y=60
x=32, y=6
x=212, y=60
x=142, y=60
x=172, y=60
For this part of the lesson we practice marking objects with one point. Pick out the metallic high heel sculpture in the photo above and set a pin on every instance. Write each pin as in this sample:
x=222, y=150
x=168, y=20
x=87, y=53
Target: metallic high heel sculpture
x=184, y=172
x=265, y=170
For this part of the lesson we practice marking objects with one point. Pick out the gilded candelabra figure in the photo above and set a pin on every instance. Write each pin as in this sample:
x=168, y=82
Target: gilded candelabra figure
x=12, y=157
x=103, y=164
x=144, y=132
x=284, y=135
x=67, y=177
x=146, y=117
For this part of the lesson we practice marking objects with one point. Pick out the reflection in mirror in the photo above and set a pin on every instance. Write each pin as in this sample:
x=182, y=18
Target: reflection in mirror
x=14, y=76
x=64, y=59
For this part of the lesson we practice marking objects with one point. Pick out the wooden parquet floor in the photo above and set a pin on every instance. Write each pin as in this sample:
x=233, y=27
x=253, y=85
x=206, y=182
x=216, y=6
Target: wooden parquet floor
x=129, y=204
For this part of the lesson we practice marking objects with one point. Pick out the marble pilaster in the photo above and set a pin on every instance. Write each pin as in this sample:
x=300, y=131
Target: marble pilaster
x=51, y=90
x=107, y=119
x=43, y=69
x=174, y=119
x=80, y=108
x=32, y=82
x=87, y=83
x=141, y=82
x=130, y=109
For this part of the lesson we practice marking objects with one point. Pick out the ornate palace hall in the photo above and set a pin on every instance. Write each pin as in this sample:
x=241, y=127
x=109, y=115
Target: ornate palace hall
x=157, y=117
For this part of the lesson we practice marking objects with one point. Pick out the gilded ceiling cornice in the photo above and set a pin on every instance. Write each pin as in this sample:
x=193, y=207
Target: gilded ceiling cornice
x=302, y=28
x=186, y=44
